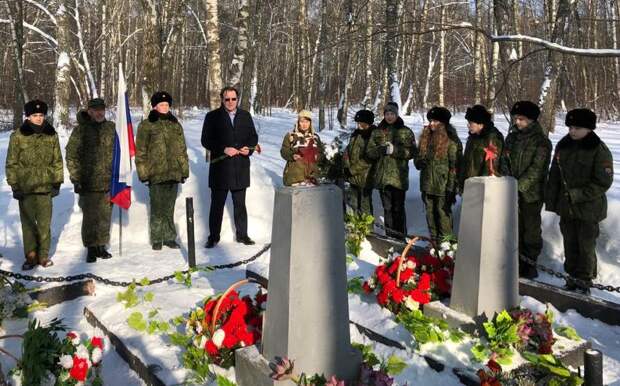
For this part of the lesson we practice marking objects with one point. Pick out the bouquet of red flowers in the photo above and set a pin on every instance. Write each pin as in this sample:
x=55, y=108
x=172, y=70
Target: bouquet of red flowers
x=225, y=324
x=423, y=277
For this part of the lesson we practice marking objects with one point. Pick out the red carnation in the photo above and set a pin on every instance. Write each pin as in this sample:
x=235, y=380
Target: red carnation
x=382, y=298
x=425, y=282
x=398, y=295
x=97, y=342
x=406, y=275
x=366, y=288
x=211, y=348
x=79, y=371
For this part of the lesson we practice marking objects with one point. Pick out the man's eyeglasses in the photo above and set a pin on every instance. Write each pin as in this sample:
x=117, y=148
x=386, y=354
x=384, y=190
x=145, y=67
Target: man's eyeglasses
x=230, y=99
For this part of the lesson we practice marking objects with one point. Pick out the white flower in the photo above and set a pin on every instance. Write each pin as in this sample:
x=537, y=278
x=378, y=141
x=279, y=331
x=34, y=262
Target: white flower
x=198, y=328
x=424, y=268
x=445, y=246
x=371, y=282
x=411, y=304
x=450, y=254
x=433, y=252
x=82, y=352
x=66, y=361
x=97, y=355
x=455, y=246
x=442, y=254
x=218, y=337
x=74, y=337
x=410, y=264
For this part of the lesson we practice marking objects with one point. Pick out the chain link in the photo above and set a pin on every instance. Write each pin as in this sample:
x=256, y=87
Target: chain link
x=560, y=275
x=114, y=283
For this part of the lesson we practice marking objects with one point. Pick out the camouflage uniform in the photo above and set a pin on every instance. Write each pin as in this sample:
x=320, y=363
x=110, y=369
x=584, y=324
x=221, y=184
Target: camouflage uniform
x=527, y=154
x=581, y=172
x=161, y=161
x=474, y=163
x=34, y=171
x=359, y=171
x=392, y=171
x=89, y=160
x=438, y=184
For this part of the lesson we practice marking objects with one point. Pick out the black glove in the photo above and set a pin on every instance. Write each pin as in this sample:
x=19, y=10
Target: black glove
x=18, y=194
x=77, y=188
x=55, y=190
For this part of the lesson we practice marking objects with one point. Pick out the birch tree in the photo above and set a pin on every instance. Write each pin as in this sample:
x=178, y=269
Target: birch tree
x=214, y=66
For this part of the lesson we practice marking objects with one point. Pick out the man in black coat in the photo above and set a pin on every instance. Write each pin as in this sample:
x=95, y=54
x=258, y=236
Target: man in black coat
x=228, y=134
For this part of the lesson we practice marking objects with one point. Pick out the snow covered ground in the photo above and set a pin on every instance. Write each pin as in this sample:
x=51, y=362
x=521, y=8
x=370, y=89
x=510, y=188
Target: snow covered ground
x=138, y=260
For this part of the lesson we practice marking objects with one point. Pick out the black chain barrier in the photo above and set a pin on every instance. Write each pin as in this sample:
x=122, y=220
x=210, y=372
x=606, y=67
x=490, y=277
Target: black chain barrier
x=114, y=283
x=577, y=282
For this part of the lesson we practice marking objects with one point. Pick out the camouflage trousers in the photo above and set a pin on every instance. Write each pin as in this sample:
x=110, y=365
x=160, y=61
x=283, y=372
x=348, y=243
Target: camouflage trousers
x=35, y=213
x=96, y=218
x=530, y=229
x=360, y=200
x=579, y=247
x=163, y=197
x=438, y=216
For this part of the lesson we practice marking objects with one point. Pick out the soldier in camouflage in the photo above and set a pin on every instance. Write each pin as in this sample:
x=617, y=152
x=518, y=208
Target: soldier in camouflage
x=581, y=172
x=437, y=160
x=89, y=160
x=34, y=171
x=392, y=145
x=484, y=146
x=359, y=169
x=162, y=163
x=527, y=153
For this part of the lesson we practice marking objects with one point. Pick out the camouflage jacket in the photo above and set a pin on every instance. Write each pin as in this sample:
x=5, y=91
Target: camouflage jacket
x=161, y=153
x=297, y=171
x=581, y=172
x=359, y=169
x=454, y=137
x=89, y=153
x=438, y=174
x=526, y=157
x=474, y=157
x=34, y=161
x=392, y=169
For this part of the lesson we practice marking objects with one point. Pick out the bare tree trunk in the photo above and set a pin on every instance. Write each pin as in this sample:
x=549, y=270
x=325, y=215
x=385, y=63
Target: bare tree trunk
x=368, y=62
x=236, y=66
x=442, y=58
x=215, y=67
x=15, y=12
x=151, y=54
x=392, y=20
x=62, y=89
x=343, y=106
x=615, y=33
x=322, y=67
x=92, y=86
x=104, y=48
x=301, y=33
x=548, y=89
x=477, y=55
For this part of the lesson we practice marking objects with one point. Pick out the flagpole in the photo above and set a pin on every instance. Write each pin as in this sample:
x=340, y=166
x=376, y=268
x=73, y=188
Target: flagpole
x=120, y=231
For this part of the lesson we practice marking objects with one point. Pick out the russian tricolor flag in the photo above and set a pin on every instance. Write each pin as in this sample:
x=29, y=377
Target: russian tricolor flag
x=124, y=148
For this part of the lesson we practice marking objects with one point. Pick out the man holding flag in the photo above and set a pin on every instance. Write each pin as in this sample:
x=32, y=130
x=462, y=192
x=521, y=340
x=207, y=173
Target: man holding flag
x=90, y=153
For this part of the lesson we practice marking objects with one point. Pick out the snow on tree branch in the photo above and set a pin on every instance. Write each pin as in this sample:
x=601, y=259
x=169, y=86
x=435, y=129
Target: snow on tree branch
x=596, y=52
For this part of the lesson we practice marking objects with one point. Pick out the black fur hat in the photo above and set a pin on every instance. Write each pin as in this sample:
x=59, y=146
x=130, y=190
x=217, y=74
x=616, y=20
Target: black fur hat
x=365, y=116
x=581, y=118
x=478, y=114
x=160, y=96
x=440, y=114
x=527, y=109
x=35, y=107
